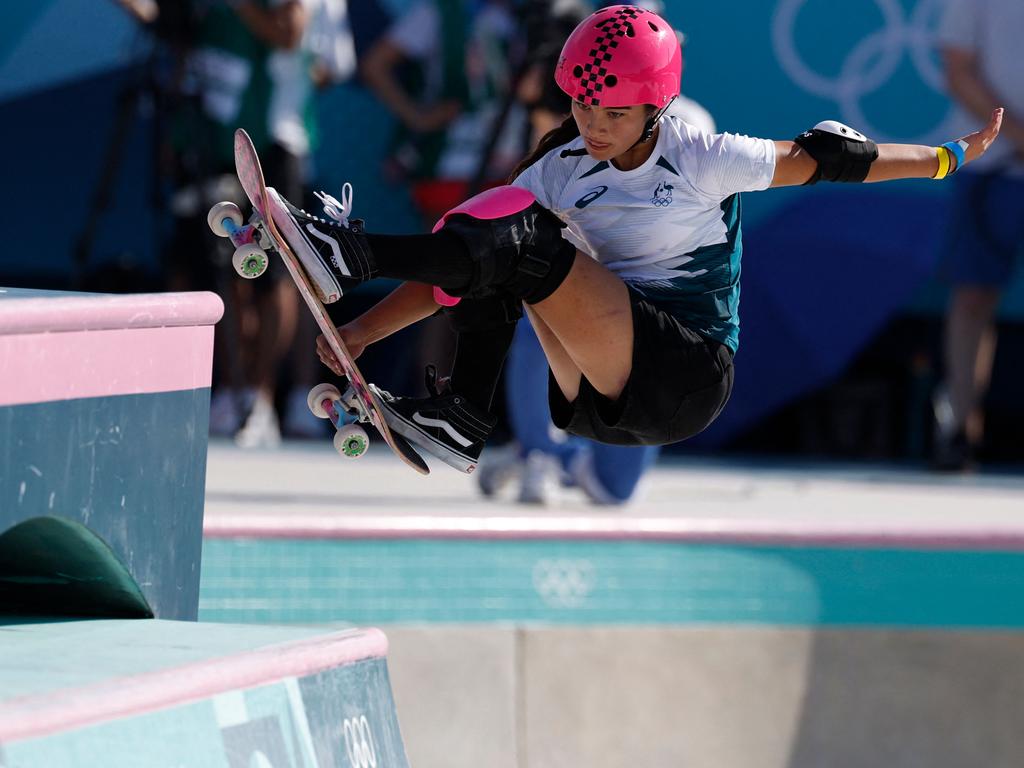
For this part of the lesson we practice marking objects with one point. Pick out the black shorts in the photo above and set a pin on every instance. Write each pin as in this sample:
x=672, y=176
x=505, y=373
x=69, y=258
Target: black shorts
x=679, y=384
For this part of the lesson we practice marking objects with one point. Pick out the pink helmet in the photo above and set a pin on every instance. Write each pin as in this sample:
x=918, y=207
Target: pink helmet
x=622, y=55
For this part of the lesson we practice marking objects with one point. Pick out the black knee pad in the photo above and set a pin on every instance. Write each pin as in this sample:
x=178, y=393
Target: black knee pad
x=515, y=243
x=484, y=313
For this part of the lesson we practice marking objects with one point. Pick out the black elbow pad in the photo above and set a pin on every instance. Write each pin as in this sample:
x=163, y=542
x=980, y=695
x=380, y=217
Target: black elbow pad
x=843, y=154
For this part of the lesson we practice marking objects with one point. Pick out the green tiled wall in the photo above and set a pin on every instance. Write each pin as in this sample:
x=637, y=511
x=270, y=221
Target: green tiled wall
x=580, y=582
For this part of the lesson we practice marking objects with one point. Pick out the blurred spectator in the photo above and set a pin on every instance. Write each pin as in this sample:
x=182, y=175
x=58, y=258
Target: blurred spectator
x=543, y=456
x=443, y=69
x=983, y=70
x=331, y=55
x=252, y=64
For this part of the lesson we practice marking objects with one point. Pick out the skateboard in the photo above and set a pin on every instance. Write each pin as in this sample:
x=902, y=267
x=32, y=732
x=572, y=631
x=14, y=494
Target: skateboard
x=358, y=405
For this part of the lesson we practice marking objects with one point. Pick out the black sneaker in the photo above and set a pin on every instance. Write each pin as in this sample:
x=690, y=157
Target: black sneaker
x=334, y=252
x=445, y=425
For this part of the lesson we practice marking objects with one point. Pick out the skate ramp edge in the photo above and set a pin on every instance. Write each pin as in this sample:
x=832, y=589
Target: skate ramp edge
x=104, y=413
x=159, y=693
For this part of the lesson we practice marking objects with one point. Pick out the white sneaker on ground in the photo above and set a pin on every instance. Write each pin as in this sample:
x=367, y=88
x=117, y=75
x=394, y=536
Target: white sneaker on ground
x=261, y=429
x=539, y=478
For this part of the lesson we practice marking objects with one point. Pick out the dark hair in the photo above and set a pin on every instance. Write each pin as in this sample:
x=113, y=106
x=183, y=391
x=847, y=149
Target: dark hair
x=563, y=134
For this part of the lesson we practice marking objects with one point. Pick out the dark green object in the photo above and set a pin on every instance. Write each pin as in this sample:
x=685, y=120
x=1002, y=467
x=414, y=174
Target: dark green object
x=57, y=567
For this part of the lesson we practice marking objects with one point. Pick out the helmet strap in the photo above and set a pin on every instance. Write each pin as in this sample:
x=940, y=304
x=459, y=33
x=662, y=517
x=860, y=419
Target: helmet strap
x=652, y=123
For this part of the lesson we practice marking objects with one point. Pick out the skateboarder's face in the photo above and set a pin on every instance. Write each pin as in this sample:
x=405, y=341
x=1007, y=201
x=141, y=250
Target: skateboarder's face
x=611, y=133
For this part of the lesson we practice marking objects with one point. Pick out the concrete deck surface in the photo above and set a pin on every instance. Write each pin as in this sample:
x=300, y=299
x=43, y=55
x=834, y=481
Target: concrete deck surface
x=305, y=486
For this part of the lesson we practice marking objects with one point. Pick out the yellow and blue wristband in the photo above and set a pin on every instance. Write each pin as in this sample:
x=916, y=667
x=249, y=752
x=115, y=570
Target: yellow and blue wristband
x=959, y=150
x=944, y=161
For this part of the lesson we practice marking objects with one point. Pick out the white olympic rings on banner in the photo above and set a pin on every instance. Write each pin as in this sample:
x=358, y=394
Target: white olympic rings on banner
x=359, y=742
x=871, y=63
x=564, y=583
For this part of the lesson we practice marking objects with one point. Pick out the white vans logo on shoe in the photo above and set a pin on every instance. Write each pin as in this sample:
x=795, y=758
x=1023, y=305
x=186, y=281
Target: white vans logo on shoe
x=335, y=251
x=426, y=421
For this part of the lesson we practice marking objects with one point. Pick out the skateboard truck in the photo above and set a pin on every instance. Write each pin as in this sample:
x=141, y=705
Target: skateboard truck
x=344, y=412
x=250, y=258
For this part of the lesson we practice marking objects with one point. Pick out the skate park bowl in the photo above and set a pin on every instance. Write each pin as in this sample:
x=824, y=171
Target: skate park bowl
x=104, y=412
x=735, y=616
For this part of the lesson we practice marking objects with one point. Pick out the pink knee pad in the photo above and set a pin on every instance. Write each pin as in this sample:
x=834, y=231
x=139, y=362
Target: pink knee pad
x=490, y=204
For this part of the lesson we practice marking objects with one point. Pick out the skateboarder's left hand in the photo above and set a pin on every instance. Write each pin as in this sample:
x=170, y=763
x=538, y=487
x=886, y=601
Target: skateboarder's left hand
x=354, y=343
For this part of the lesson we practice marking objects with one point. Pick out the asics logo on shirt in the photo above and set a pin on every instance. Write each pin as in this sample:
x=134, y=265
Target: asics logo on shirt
x=591, y=196
x=662, y=195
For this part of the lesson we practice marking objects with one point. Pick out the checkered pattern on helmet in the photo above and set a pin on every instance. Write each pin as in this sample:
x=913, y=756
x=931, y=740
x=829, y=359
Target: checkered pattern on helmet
x=595, y=72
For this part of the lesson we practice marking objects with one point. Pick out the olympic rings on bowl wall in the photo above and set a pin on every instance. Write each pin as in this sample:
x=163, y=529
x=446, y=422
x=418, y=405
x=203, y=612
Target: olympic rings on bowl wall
x=870, y=63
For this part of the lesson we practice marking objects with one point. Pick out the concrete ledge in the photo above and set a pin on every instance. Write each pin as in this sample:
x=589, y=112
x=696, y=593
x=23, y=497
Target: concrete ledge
x=81, y=346
x=100, y=687
x=29, y=312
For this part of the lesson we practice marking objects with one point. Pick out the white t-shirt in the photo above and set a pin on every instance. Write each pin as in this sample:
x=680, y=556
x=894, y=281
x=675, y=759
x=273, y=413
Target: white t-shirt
x=641, y=224
x=671, y=227
x=992, y=30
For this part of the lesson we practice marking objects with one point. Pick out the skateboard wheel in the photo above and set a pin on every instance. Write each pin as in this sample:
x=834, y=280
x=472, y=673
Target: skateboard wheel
x=250, y=261
x=219, y=212
x=316, y=397
x=351, y=441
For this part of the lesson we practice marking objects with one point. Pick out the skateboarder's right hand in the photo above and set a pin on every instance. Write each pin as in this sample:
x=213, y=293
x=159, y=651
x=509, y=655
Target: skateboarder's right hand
x=354, y=343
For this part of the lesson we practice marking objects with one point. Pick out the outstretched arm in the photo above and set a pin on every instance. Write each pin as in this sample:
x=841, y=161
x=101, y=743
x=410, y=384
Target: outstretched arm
x=407, y=304
x=794, y=166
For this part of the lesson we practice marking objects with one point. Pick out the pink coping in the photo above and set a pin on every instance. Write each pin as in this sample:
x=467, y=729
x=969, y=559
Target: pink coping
x=489, y=204
x=43, y=367
x=765, y=532
x=80, y=312
x=32, y=717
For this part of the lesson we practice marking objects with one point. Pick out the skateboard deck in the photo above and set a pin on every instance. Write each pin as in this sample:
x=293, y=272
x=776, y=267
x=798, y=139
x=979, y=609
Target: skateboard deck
x=250, y=174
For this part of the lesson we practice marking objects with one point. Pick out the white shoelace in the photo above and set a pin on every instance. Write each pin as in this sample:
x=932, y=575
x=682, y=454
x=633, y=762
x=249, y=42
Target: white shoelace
x=339, y=210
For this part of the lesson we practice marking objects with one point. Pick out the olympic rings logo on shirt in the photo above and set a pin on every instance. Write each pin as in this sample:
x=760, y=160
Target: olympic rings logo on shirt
x=871, y=62
x=662, y=195
x=359, y=742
